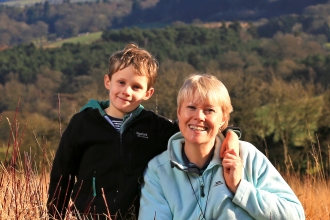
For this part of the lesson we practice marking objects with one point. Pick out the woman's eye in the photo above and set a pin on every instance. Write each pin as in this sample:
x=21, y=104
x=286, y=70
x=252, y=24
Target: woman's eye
x=210, y=110
x=191, y=107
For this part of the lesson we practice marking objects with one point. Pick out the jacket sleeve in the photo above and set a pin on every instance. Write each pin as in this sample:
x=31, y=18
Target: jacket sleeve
x=165, y=129
x=262, y=192
x=64, y=169
x=153, y=204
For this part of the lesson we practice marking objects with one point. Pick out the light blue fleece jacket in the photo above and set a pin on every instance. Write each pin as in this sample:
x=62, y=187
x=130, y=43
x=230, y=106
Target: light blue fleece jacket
x=170, y=191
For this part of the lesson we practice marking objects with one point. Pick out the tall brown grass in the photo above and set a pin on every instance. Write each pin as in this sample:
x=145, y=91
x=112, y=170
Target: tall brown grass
x=313, y=189
x=23, y=190
x=24, y=182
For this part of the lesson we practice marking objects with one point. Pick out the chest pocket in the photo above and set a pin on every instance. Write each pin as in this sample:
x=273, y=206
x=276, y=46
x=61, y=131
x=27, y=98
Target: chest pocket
x=138, y=150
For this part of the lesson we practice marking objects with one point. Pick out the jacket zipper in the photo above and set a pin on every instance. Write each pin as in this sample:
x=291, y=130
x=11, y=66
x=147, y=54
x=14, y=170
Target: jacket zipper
x=202, y=186
x=94, y=183
x=121, y=164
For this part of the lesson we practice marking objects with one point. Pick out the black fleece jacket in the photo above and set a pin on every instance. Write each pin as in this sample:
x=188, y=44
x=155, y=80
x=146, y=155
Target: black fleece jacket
x=93, y=158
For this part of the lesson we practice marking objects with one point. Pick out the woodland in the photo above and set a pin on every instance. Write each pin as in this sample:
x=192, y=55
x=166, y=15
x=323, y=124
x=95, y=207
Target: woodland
x=277, y=74
x=43, y=22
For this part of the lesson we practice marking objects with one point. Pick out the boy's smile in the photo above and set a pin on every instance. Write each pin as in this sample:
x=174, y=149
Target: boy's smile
x=126, y=91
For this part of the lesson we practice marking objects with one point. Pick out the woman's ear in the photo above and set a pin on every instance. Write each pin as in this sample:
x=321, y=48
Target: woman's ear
x=178, y=111
x=224, y=119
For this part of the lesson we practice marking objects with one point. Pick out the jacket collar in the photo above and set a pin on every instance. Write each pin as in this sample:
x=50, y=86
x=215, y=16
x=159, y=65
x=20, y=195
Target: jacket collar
x=95, y=104
x=101, y=105
x=175, y=153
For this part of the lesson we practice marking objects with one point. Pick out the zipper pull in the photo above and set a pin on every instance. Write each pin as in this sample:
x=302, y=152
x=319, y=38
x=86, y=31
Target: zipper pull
x=94, y=187
x=202, y=191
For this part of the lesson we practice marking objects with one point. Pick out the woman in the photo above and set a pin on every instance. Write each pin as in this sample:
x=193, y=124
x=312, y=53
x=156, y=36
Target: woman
x=190, y=181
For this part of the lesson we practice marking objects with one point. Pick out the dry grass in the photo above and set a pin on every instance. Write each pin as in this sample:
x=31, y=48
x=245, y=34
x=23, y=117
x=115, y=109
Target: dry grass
x=24, y=182
x=23, y=191
x=22, y=194
x=313, y=189
x=314, y=195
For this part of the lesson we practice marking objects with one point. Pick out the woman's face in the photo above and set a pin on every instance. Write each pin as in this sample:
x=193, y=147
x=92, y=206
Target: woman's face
x=199, y=122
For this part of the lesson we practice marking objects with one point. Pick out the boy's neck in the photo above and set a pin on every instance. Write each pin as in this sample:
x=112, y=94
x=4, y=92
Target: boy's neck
x=114, y=112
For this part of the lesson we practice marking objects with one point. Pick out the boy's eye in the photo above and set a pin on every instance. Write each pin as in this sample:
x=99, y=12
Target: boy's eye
x=136, y=87
x=121, y=82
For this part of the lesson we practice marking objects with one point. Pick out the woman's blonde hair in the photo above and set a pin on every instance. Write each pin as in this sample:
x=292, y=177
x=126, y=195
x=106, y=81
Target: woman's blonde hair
x=206, y=88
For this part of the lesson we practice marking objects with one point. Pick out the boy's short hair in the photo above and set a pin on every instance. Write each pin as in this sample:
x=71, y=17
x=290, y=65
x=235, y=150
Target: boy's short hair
x=141, y=60
x=205, y=87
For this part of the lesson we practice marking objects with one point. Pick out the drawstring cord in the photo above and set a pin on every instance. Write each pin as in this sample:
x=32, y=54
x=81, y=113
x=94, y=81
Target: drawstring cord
x=207, y=199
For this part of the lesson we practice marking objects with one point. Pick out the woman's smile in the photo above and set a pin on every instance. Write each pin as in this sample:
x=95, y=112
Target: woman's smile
x=197, y=128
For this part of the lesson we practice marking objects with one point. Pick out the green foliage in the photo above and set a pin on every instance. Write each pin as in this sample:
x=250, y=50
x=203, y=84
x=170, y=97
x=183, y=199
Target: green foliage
x=31, y=132
x=185, y=43
x=278, y=85
x=296, y=117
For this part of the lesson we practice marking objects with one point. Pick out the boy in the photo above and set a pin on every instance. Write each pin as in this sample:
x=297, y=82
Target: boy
x=106, y=147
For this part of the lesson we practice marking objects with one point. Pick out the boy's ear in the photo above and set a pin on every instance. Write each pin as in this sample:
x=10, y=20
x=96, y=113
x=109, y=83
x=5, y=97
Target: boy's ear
x=107, y=81
x=149, y=93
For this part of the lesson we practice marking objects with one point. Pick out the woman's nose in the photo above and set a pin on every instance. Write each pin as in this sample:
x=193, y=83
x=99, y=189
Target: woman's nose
x=200, y=115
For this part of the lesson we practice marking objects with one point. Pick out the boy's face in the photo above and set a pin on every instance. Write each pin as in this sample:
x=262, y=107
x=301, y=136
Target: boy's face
x=126, y=91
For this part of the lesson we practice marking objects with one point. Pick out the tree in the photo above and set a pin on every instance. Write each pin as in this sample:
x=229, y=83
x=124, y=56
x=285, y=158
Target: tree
x=290, y=116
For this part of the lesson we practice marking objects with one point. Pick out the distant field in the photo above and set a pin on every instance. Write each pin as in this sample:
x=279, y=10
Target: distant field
x=22, y=3
x=83, y=39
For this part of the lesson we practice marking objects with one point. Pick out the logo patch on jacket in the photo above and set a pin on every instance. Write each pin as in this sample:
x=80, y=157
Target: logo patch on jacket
x=218, y=183
x=142, y=135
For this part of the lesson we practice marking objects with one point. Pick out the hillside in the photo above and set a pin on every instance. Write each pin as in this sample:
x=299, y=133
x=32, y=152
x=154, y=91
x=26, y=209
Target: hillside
x=49, y=21
x=215, y=10
x=271, y=80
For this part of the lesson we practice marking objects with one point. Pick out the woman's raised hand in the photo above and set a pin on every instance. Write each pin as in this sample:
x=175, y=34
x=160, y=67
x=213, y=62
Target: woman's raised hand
x=232, y=169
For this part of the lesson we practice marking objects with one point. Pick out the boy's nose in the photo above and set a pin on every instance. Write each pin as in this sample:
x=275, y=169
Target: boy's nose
x=127, y=91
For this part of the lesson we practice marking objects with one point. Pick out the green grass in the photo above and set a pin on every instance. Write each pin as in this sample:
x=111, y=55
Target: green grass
x=21, y=3
x=85, y=39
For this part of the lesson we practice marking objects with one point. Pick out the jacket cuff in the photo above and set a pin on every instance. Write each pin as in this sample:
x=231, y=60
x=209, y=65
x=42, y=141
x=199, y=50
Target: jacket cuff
x=240, y=197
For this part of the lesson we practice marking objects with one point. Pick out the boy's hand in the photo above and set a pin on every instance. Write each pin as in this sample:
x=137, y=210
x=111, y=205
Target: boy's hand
x=232, y=169
x=230, y=142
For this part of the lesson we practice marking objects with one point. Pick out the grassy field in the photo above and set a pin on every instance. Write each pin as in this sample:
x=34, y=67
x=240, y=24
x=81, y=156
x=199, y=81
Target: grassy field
x=20, y=3
x=23, y=190
x=86, y=38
